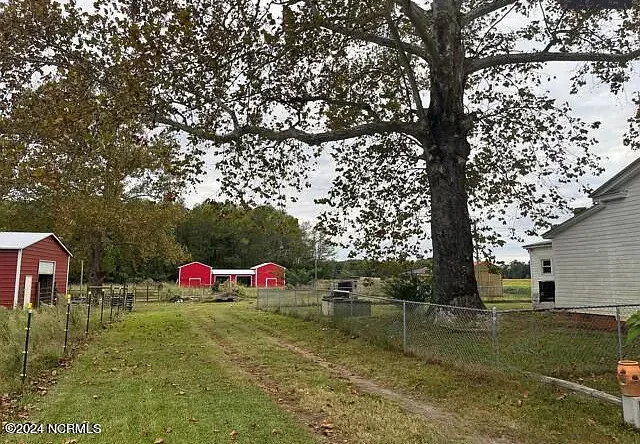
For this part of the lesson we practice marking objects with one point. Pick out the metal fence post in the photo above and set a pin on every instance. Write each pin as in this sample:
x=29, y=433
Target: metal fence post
x=404, y=326
x=66, y=328
x=619, y=326
x=494, y=333
x=26, y=344
x=86, y=331
x=101, y=306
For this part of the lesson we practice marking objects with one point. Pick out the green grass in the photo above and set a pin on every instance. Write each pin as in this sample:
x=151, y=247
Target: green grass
x=543, y=342
x=488, y=402
x=190, y=373
x=156, y=375
x=46, y=344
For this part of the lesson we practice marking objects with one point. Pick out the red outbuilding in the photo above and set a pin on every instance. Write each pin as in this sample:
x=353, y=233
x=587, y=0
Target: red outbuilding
x=34, y=268
x=269, y=275
x=194, y=274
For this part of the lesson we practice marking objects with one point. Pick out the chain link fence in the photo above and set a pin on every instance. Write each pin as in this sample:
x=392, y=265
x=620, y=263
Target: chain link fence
x=580, y=344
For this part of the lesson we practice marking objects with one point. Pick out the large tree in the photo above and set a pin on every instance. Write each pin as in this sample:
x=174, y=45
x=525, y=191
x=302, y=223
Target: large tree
x=104, y=182
x=429, y=108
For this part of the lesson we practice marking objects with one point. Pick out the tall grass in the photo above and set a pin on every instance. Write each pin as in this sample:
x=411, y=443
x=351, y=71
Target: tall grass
x=46, y=339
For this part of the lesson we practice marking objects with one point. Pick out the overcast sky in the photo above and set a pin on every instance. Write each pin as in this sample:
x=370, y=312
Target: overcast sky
x=595, y=102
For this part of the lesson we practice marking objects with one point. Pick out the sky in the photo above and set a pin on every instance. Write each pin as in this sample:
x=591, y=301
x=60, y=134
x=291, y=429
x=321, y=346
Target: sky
x=595, y=102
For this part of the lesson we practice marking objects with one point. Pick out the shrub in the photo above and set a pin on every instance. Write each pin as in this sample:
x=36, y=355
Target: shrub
x=409, y=288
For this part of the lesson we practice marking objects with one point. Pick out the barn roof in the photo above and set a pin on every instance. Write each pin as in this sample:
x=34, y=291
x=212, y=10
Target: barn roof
x=220, y=271
x=267, y=263
x=19, y=240
x=194, y=262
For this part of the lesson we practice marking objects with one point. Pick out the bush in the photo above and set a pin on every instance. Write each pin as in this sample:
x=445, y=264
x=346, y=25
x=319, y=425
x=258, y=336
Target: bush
x=409, y=288
x=299, y=277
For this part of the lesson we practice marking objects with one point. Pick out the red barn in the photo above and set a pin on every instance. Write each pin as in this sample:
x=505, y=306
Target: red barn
x=194, y=274
x=269, y=275
x=34, y=267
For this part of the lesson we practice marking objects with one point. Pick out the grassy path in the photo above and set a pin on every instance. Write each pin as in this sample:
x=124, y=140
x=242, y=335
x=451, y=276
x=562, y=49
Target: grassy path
x=224, y=373
x=153, y=377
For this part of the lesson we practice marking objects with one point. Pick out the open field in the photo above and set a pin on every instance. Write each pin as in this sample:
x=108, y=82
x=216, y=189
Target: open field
x=190, y=373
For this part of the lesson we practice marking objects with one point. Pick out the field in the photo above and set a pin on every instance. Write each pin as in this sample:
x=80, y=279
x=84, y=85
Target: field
x=179, y=373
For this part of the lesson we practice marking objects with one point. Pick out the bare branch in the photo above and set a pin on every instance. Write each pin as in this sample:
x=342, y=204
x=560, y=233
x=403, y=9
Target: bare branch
x=367, y=129
x=485, y=9
x=542, y=57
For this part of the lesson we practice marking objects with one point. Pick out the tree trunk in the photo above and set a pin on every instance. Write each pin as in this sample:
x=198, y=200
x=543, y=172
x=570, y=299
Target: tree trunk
x=447, y=151
x=94, y=267
x=453, y=274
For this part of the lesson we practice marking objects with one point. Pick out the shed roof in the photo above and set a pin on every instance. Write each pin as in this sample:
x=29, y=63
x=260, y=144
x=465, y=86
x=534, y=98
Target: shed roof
x=221, y=271
x=194, y=262
x=267, y=263
x=19, y=240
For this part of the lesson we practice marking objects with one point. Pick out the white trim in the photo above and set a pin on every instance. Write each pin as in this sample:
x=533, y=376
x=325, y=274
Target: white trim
x=17, y=287
x=195, y=279
x=266, y=282
x=66, y=288
x=53, y=283
x=179, y=276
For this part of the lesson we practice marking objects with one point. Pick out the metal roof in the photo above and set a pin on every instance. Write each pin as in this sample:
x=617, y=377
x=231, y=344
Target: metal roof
x=19, y=240
x=221, y=271
x=194, y=262
x=267, y=263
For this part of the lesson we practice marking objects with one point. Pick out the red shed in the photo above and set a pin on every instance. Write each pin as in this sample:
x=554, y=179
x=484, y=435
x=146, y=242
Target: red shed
x=194, y=274
x=269, y=275
x=34, y=267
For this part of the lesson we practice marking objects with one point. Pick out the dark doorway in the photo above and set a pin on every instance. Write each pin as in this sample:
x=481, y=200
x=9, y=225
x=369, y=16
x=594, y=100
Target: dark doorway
x=243, y=280
x=547, y=291
x=45, y=289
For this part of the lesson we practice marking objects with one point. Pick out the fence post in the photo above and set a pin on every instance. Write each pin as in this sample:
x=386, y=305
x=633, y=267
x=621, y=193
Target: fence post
x=404, y=326
x=147, y=292
x=494, y=333
x=66, y=328
x=26, y=344
x=86, y=331
x=619, y=325
x=111, y=305
x=295, y=297
x=101, y=306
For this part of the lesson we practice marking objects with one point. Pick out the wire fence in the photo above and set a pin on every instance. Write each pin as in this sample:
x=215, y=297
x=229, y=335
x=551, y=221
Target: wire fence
x=580, y=344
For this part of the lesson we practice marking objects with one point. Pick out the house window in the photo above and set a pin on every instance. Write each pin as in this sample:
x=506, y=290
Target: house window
x=546, y=266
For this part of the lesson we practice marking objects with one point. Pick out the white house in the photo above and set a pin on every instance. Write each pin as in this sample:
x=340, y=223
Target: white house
x=594, y=257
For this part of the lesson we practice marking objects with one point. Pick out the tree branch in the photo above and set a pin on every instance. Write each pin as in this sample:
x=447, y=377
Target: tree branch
x=367, y=129
x=404, y=60
x=542, y=57
x=483, y=10
x=421, y=22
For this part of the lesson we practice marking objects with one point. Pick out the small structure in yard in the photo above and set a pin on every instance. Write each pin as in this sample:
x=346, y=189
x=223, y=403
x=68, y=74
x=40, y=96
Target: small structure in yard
x=593, y=258
x=197, y=274
x=342, y=302
x=34, y=268
x=489, y=279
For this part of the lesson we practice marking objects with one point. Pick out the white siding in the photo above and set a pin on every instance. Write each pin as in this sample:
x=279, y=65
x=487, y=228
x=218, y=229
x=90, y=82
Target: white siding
x=536, y=256
x=597, y=261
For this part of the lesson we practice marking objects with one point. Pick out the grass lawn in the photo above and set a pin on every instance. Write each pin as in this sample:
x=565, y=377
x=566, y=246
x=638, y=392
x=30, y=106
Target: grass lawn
x=156, y=376
x=221, y=373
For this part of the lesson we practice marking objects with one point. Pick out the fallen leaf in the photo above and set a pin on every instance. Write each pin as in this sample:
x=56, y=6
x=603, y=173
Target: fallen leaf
x=181, y=393
x=561, y=397
x=519, y=402
x=233, y=434
x=158, y=441
x=168, y=429
x=194, y=420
